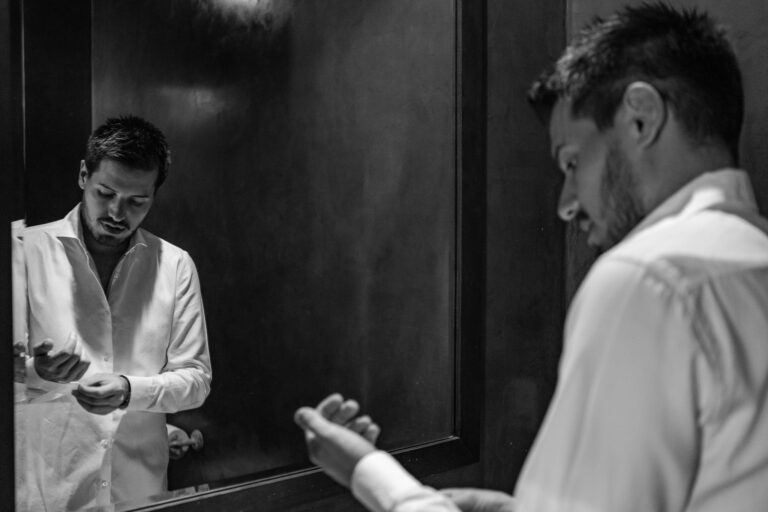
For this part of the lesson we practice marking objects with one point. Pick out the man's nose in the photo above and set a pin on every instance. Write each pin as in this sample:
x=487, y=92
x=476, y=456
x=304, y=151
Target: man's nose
x=117, y=209
x=568, y=204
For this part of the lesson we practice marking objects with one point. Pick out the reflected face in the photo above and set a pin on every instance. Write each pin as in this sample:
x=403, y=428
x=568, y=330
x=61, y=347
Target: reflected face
x=116, y=199
x=599, y=189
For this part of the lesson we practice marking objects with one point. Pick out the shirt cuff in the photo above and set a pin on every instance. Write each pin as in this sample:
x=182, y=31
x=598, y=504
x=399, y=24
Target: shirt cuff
x=380, y=482
x=143, y=392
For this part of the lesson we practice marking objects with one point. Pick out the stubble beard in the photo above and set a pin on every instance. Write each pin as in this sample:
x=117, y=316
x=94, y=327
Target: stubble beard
x=621, y=205
x=105, y=240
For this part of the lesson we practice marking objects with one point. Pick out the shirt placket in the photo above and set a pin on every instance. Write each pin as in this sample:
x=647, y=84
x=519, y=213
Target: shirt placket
x=103, y=481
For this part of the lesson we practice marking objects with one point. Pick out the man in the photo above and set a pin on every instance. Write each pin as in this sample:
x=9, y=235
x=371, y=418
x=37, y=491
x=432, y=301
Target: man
x=116, y=326
x=662, y=399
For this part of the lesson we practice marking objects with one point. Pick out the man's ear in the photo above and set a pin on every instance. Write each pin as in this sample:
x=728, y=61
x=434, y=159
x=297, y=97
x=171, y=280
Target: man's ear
x=643, y=112
x=82, y=175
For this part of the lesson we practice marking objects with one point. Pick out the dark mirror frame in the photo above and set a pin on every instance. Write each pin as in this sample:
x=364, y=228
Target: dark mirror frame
x=299, y=488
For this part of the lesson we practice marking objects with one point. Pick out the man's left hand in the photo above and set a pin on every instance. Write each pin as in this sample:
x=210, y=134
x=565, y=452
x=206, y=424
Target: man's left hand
x=101, y=393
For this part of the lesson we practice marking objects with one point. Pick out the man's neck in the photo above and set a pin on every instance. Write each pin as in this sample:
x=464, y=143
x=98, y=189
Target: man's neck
x=105, y=257
x=674, y=169
x=98, y=249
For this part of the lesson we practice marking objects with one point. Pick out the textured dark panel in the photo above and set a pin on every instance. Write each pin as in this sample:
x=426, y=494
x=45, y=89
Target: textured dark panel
x=524, y=298
x=11, y=165
x=57, y=110
x=314, y=185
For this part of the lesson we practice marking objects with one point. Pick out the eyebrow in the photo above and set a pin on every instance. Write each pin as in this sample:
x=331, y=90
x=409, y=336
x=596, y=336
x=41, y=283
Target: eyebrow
x=135, y=196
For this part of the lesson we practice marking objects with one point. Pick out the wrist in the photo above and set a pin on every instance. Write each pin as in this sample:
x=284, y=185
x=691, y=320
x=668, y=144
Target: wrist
x=126, y=392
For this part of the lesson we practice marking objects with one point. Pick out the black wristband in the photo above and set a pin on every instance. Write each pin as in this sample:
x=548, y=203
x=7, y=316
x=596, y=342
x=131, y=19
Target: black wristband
x=127, y=394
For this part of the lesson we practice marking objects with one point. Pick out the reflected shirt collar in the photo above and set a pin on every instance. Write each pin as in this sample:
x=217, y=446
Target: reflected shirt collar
x=729, y=188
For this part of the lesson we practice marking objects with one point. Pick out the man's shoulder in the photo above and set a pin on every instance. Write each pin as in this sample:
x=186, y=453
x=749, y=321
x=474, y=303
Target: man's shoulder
x=54, y=228
x=160, y=245
x=692, y=250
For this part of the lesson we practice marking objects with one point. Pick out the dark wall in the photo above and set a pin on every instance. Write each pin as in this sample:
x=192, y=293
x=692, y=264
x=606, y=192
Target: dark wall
x=11, y=161
x=313, y=183
x=57, y=108
x=524, y=301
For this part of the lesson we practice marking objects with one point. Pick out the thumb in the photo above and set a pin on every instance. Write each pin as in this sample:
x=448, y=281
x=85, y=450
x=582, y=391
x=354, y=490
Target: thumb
x=43, y=347
x=312, y=421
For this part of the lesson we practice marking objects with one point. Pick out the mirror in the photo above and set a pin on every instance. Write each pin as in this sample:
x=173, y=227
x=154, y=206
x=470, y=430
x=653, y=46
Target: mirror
x=320, y=182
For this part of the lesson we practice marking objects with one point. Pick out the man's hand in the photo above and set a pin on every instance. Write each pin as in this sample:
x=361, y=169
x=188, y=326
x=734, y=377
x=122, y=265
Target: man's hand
x=480, y=500
x=101, y=393
x=335, y=448
x=342, y=412
x=19, y=362
x=62, y=367
x=178, y=442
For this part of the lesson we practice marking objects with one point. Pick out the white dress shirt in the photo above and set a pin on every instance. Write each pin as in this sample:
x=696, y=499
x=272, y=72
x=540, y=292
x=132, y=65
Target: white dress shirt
x=148, y=326
x=662, y=397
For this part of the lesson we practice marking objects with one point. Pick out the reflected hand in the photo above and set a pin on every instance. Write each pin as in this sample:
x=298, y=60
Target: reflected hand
x=101, y=393
x=61, y=367
x=178, y=442
x=480, y=500
x=336, y=449
x=342, y=412
x=19, y=362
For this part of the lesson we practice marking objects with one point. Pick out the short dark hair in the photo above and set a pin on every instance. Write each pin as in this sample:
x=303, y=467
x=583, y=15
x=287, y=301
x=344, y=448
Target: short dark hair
x=132, y=141
x=684, y=54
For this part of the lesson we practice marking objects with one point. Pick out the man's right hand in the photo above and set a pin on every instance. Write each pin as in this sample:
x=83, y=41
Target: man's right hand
x=336, y=409
x=336, y=437
x=336, y=449
x=61, y=367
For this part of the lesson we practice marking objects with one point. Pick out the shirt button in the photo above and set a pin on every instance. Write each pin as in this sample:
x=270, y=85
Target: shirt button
x=104, y=484
x=106, y=357
x=104, y=443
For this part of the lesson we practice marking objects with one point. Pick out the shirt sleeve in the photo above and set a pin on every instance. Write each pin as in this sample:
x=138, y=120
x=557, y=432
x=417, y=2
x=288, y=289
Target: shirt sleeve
x=185, y=380
x=622, y=430
x=381, y=484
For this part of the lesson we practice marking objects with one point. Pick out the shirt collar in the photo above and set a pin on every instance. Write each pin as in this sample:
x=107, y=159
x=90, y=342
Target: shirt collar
x=73, y=228
x=725, y=188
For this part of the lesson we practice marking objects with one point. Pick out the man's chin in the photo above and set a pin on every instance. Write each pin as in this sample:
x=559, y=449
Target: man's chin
x=598, y=241
x=108, y=240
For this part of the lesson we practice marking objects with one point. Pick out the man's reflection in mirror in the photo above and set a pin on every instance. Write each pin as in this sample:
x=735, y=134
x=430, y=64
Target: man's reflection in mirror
x=116, y=334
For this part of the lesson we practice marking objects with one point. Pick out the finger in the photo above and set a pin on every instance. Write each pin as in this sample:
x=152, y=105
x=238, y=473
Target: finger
x=98, y=388
x=330, y=405
x=95, y=408
x=55, y=363
x=67, y=369
x=347, y=411
x=371, y=434
x=42, y=348
x=97, y=399
x=313, y=422
x=86, y=399
x=359, y=424
x=80, y=370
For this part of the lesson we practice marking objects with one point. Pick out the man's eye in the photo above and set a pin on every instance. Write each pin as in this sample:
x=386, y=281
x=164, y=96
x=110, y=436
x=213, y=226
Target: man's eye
x=102, y=193
x=137, y=202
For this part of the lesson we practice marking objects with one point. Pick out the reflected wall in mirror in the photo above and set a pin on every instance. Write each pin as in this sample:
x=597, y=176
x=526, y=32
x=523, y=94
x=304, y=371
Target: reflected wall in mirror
x=314, y=183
